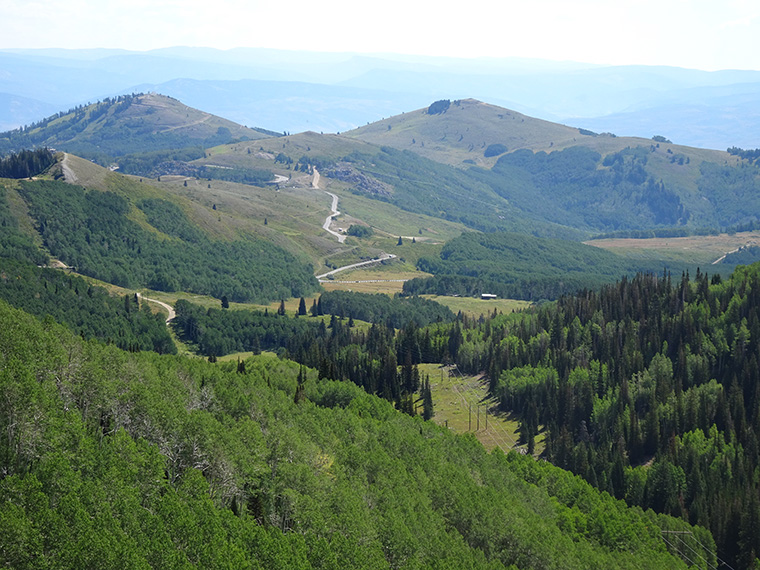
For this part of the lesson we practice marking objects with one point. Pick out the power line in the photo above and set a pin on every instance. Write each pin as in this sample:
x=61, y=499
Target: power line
x=678, y=550
x=677, y=534
x=694, y=551
x=497, y=433
x=706, y=549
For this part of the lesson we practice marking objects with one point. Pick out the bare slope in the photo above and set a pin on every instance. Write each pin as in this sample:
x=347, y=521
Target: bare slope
x=464, y=131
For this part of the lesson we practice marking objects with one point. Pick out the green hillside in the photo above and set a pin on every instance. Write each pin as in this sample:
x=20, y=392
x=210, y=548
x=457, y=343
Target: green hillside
x=125, y=125
x=145, y=241
x=559, y=175
x=520, y=266
x=84, y=308
x=467, y=162
x=521, y=174
x=115, y=460
x=463, y=130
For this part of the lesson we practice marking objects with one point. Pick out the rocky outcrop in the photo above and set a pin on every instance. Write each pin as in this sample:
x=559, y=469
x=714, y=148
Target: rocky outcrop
x=344, y=172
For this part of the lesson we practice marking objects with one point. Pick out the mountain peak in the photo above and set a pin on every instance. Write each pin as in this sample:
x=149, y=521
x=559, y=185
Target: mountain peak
x=125, y=124
x=461, y=131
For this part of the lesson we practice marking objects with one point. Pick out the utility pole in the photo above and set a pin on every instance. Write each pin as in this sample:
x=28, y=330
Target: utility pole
x=469, y=425
x=478, y=419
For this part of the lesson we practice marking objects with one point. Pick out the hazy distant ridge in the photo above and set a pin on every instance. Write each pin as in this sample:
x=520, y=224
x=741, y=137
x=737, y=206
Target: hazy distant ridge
x=296, y=91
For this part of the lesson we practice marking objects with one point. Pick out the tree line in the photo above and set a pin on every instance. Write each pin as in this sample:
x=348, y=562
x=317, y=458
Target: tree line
x=26, y=163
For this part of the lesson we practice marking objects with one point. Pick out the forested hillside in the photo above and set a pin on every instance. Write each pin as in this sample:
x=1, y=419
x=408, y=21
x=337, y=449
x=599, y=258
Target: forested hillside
x=114, y=460
x=14, y=243
x=152, y=244
x=649, y=389
x=86, y=309
x=368, y=357
x=520, y=266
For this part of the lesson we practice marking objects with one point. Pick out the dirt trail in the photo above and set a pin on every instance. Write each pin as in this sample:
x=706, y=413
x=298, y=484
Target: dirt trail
x=168, y=307
x=68, y=174
x=722, y=257
x=334, y=214
x=185, y=125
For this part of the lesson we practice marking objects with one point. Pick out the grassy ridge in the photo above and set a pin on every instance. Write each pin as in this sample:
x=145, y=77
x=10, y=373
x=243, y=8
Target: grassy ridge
x=126, y=124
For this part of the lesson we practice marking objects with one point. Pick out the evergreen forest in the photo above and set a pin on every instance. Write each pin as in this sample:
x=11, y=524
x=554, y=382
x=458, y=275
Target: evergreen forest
x=648, y=389
x=520, y=266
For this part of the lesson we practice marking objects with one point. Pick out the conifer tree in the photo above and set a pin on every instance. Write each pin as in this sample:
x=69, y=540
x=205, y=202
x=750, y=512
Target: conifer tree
x=427, y=400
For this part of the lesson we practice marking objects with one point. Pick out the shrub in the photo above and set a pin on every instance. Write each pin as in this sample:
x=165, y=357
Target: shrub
x=495, y=150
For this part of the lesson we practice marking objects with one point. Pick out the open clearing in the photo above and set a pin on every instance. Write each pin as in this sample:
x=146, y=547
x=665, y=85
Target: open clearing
x=694, y=249
x=462, y=404
x=473, y=307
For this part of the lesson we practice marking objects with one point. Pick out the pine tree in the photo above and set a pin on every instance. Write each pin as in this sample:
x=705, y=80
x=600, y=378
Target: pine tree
x=427, y=400
x=302, y=307
x=299, y=395
x=281, y=310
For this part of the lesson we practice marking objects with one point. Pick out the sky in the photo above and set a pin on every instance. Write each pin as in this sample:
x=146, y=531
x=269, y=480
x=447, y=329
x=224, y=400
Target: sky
x=698, y=34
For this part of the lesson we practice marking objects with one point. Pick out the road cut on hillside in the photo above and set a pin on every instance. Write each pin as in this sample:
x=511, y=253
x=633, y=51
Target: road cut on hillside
x=323, y=278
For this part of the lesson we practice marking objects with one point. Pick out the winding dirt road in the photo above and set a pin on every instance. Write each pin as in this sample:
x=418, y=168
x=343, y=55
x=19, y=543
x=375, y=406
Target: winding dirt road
x=168, y=307
x=335, y=213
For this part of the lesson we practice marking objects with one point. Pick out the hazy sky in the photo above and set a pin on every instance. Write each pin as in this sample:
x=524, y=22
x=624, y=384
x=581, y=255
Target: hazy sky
x=703, y=34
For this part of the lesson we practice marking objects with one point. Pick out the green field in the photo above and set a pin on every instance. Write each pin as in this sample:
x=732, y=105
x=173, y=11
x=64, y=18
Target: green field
x=702, y=250
x=474, y=307
x=462, y=404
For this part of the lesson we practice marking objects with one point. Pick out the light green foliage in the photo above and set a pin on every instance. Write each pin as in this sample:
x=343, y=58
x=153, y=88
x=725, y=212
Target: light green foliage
x=86, y=309
x=116, y=460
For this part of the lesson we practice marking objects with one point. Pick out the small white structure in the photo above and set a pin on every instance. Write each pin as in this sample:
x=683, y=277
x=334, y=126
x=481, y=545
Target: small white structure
x=488, y=296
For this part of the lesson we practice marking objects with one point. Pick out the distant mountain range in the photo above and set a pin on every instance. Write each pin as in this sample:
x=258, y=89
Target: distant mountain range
x=323, y=92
